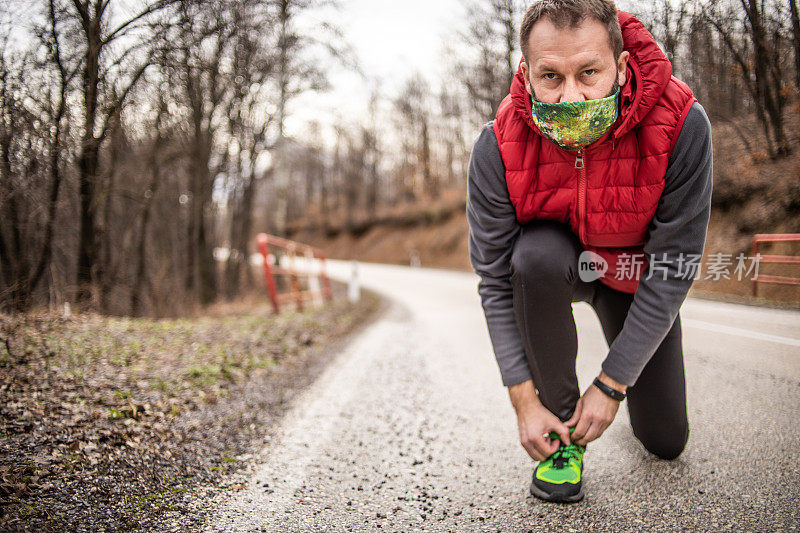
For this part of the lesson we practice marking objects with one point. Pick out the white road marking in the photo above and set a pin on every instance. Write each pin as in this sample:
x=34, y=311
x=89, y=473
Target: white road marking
x=730, y=330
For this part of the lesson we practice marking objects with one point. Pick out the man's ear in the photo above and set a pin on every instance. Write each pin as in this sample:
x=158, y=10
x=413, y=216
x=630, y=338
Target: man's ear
x=525, y=76
x=622, y=67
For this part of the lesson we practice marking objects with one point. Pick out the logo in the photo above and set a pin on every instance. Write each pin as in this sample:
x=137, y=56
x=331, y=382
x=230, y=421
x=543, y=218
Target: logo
x=591, y=266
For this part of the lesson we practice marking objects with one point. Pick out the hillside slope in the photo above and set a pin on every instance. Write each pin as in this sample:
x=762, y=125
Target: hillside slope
x=752, y=194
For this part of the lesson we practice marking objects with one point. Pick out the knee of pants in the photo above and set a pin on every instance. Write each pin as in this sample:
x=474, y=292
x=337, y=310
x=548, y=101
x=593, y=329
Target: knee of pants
x=545, y=252
x=665, y=444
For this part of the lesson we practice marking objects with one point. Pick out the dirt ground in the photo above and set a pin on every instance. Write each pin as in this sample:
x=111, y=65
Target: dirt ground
x=110, y=424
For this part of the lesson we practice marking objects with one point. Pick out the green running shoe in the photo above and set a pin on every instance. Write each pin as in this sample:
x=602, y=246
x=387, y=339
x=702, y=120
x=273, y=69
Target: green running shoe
x=558, y=478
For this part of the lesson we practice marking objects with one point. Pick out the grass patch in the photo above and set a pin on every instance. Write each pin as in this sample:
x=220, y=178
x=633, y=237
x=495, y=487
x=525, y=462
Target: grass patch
x=137, y=412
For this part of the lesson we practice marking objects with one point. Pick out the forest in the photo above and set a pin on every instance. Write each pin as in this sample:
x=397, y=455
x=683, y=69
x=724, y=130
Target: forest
x=138, y=139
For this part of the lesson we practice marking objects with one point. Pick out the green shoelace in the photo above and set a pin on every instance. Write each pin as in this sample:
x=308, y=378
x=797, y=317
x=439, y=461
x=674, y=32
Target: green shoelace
x=566, y=452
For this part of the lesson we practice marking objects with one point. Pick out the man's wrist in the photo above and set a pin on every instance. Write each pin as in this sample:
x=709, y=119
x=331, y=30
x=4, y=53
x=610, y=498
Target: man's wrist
x=612, y=383
x=523, y=395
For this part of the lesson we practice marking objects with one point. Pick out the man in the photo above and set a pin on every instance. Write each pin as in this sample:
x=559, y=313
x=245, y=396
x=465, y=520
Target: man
x=597, y=153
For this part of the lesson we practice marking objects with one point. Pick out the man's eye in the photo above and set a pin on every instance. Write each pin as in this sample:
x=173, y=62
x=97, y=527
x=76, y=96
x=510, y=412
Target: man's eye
x=549, y=76
x=590, y=72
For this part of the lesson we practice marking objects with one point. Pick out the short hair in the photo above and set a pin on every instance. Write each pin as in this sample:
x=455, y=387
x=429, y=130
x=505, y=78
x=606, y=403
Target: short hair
x=571, y=13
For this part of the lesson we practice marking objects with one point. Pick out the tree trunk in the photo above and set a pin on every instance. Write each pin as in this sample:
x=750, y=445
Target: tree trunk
x=753, y=81
x=10, y=258
x=796, y=41
x=510, y=41
x=88, y=159
x=241, y=213
x=428, y=179
x=87, y=237
x=107, y=271
x=55, y=169
x=767, y=82
x=372, y=173
x=324, y=200
x=137, y=299
x=241, y=227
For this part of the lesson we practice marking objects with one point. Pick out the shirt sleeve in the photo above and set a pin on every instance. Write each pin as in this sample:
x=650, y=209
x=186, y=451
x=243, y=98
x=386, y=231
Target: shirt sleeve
x=677, y=232
x=493, y=230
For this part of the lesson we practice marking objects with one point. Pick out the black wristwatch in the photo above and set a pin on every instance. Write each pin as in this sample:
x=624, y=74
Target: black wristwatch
x=608, y=391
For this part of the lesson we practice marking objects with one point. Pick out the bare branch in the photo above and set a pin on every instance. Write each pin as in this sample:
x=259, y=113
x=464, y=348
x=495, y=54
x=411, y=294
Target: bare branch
x=158, y=6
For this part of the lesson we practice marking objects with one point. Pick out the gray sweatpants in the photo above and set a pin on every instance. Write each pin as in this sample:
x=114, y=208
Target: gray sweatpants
x=545, y=282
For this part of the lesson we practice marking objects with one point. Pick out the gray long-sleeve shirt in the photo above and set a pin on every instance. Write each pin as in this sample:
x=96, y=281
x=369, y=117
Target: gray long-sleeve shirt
x=678, y=229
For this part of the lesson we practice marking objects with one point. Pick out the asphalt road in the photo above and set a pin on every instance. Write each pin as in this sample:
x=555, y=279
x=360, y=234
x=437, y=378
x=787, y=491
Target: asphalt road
x=410, y=429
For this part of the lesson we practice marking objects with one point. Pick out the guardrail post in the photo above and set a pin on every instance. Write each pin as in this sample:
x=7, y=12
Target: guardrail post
x=263, y=242
x=313, y=277
x=754, y=253
x=326, y=283
x=293, y=280
x=353, y=288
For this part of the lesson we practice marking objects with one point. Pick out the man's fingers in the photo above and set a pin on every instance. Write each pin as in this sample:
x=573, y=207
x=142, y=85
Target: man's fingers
x=535, y=454
x=583, y=439
x=596, y=432
x=546, y=447
x=581, y=429
x=535, y=446
x=592, y=434
x=563, y=432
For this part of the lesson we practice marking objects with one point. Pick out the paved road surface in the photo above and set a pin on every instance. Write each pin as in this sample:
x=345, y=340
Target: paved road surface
x=410, y=429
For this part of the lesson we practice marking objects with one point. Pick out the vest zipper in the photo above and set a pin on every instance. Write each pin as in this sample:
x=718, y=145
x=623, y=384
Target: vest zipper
x=581, y=168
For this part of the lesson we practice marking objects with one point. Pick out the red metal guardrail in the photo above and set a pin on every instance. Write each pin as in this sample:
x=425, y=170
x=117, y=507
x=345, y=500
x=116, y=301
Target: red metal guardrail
x=784, y=259
x=291, y=249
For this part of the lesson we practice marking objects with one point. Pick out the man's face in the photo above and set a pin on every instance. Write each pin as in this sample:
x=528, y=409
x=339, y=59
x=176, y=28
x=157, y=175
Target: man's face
x=572, y=64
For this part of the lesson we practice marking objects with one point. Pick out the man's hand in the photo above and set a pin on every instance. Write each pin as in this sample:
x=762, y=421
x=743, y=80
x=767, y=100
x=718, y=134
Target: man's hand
x=534, y=421
x=594, y=412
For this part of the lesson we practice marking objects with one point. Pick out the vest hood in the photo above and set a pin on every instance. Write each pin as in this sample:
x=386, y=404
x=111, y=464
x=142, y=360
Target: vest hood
x=649, y=72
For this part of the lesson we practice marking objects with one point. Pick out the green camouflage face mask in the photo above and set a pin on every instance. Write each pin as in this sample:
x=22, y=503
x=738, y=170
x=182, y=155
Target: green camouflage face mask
x=575, y=125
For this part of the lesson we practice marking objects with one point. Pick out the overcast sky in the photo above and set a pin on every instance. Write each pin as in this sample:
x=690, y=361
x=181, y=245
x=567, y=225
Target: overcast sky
x=391, y=39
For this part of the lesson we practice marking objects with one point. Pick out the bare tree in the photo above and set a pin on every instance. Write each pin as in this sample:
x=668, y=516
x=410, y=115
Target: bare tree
x=372, y=159
x=154, y=167
x=107, y=80
x=249, y=123
x=203, y=43
x=795, y=41
x=487, y=70
x=414, y=107
x=128, y=163
x=21, y=265
x=299, y=69
x=759, y=63
x=668, y=22
x=452, y=137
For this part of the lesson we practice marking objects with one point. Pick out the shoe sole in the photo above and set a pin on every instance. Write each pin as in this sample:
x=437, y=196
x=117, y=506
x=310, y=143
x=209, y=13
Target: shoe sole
x=556, y=498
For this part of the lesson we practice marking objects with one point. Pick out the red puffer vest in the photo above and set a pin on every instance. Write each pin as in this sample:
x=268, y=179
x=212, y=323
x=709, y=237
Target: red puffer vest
x=608, y=192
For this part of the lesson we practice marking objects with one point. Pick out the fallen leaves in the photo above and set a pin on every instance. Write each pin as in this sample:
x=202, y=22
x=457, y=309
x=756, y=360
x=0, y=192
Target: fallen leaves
x=108, y=421
x=17, y=480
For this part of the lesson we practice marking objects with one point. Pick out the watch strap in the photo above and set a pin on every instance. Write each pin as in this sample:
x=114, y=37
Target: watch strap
x=609, y=391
